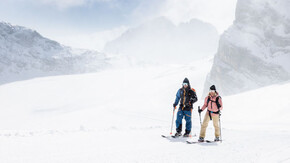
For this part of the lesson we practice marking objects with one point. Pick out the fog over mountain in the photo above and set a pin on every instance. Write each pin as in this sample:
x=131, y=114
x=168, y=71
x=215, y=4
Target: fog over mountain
x=161, y=41
x=255, y=50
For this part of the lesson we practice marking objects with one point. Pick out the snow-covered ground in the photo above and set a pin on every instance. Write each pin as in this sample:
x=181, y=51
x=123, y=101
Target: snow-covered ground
x=119, y=116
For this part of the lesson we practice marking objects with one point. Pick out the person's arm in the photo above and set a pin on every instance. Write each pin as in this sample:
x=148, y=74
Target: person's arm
x=221, y=103
x=205, y=104
x=193, y=98
x=177, y=98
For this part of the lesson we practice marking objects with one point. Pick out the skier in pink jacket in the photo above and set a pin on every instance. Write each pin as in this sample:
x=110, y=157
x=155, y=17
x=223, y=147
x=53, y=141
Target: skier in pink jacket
x=213, y=103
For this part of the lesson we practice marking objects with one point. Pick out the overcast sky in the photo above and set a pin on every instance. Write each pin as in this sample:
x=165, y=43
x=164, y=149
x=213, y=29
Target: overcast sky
x=80, y=23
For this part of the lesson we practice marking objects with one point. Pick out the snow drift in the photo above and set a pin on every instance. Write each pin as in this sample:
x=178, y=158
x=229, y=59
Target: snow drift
x=255, y=50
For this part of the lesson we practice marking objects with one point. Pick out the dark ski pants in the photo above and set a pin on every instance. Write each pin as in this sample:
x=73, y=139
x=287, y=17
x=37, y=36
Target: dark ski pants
x=187, y=116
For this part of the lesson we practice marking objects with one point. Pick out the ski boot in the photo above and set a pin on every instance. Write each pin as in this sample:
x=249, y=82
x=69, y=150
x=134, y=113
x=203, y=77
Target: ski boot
x=201, y=139
x=177, y=134
x=186, y=134
x=217, y=139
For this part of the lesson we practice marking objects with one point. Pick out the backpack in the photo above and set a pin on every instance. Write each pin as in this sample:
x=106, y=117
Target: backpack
x=217, y=101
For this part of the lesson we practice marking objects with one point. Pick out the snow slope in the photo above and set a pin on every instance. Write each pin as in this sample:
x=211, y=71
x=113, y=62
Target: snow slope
x=119, y=115
x=255, y=51
x=25, y=54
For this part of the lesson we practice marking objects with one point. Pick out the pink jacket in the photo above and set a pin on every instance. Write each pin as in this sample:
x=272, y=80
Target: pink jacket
x=212, y=106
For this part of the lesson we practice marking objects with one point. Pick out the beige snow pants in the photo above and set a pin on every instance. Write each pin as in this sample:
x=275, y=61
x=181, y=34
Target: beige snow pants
x=215, y=119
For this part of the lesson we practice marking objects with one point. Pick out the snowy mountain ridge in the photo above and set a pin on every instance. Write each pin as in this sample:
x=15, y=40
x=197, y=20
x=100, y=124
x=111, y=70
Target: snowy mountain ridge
x=24, y=54
x=255, y=50
x=161, y=41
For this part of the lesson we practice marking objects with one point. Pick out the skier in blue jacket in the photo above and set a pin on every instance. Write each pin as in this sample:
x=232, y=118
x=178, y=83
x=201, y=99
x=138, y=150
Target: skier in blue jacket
x=187, y=97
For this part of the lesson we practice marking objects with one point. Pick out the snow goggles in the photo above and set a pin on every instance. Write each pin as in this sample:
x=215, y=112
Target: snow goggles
x=211, y=90
x=184, y=84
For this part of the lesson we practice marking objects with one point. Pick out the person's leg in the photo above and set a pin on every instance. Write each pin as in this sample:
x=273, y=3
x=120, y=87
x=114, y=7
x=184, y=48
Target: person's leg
x=204, y=125
x=179, y=121
x=215, y=120
x=188, y=121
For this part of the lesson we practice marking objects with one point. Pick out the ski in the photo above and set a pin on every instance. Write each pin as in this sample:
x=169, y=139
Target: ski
x=171, y=136
x=180, y=137
x=212, y=141
x=206, y=141
x=193, y=142
x=165, y=136
x=196, y=142
x=174, y=137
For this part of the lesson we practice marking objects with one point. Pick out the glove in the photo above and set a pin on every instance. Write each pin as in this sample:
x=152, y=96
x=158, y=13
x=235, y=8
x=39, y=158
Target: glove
x=174, y=105
x=190, y=104
x=199, y=110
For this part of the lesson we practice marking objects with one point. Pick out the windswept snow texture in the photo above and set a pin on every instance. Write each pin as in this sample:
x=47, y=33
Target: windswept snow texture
x=119, y=115
x=25, y=54
x=160, y=41
x=255, y=50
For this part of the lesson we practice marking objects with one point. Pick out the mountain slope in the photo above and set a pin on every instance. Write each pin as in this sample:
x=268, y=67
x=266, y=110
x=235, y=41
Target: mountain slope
x=159, y=40
x=255, y=50
x=24, y=54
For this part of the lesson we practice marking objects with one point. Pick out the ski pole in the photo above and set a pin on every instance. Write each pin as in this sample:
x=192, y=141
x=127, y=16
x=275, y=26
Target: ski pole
x=220, y=127
x=172, y=120
x=199, y=115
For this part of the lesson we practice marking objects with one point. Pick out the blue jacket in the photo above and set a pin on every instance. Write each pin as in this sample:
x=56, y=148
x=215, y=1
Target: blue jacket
x=187, y=98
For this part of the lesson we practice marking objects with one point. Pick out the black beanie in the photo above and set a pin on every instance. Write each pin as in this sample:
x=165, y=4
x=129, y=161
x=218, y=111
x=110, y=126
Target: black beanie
x=212, y=88
x=186, y=81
